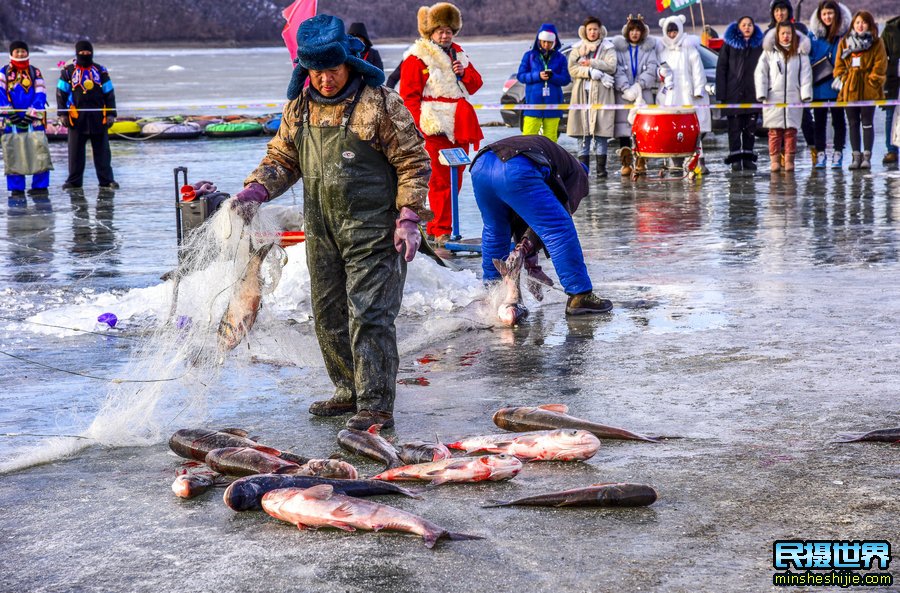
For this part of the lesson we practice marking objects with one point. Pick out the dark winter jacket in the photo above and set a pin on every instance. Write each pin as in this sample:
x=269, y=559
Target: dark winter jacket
x=821, y=48
x=85, y=89
x=533, y=63
x=891, y=39
x=800, y=27
x=369, y=54
x=737, y=63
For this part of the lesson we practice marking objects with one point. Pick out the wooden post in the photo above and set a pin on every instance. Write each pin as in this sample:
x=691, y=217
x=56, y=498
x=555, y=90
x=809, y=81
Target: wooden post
x=693, y=25
x=702, y=16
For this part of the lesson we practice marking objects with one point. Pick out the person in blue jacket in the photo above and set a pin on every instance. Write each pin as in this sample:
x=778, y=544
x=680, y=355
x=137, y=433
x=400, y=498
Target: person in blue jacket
x=23, y=98
x=828, y=24
x=544, y=71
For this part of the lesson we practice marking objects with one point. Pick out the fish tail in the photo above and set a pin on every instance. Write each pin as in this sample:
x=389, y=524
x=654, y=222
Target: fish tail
x=492, y=504
x=849, y=437
x=431, y=536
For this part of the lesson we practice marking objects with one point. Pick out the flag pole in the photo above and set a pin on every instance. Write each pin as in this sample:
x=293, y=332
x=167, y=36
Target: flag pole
x=693, y=25
x=702, y=16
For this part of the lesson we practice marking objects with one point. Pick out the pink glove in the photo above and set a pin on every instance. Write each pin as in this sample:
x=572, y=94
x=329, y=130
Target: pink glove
x=247, y=201
x=407, y=236
x=201, y=188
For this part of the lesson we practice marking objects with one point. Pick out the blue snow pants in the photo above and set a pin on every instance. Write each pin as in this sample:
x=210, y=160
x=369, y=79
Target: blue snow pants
x=519, y=186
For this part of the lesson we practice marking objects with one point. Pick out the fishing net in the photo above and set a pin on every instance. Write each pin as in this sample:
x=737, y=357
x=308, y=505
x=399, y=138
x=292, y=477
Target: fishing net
x=167, y=377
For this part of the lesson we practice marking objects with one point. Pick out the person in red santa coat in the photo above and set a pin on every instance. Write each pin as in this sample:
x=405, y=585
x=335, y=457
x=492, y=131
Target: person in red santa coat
x=436, y=81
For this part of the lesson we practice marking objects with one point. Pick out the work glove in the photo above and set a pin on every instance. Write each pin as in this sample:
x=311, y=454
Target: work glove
x=16, y=118
x=110, y=120
x=247, y=201
x=607, y=80
x=837, y=84
x=201, y=188
x=632, y=93
x=596, y=74
x=406, y=234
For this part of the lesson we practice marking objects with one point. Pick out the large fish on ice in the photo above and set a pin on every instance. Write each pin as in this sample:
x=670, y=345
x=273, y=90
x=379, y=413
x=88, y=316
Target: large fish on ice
x=564, y=444
x=595, y=495
x=245, y=494
x=319, y=506
x=241, y=313
x=196, y=443
x=415, y=452
x=458, y=470
x=369, y=444
x=511, y=309
x=884, y=435
x=550, y=416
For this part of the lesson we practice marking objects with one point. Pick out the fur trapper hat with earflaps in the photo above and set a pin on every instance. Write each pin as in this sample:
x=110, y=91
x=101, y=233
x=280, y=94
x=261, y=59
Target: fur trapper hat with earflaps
x=442, y=14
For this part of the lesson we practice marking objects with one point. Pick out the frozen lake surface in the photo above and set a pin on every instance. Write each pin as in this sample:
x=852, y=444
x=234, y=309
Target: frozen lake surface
x=755, y=316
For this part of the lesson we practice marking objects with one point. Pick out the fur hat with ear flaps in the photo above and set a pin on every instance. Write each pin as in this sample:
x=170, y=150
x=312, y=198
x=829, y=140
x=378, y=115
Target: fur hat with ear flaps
x=322, y=44
x=442, y=14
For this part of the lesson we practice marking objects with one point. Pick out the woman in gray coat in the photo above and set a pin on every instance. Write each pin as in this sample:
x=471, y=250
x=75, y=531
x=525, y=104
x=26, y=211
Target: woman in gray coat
x=592, y=65
x=636, y=67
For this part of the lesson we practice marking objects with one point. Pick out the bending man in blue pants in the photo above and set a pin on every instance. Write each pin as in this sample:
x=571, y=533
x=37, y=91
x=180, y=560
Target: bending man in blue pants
x=527, y=187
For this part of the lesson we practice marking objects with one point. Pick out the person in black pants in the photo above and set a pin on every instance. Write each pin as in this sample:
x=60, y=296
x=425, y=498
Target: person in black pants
x=734, y=84
x=86, y=104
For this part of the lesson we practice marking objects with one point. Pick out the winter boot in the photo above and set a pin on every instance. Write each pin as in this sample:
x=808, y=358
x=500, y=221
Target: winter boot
x=750, y=162
x=855, y=160
x=821, y=160
x=890, y=158
x=640, y=166
x=585, y=159
x=814, y=154
x=737, y=166
x=837, y=159
x=16, y=201
x=866, y=162
x=365, y=419
x=625, y=156
x=601, y=166
x=587, y=303
x=330, y=407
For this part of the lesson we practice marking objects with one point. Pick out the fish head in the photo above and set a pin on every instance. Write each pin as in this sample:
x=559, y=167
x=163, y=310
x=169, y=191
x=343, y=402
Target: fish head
x=575, y=443
x=510, y=314
x=502, y=466
x=183, y=486
x=242, y=495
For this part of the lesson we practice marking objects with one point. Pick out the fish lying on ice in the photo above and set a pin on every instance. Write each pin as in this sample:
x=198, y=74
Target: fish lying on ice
x=595, y=495
x=884, y=435
x=563, y=444
x=415, y=452
x=243, y=306
x=193, y=480
x=319, y=506
x=369, y=443
x=246, y=461
x=245, y=494
x=458, y=470
x=196, y=443
x=550, y=416
x=511, y=309
x=327, y=468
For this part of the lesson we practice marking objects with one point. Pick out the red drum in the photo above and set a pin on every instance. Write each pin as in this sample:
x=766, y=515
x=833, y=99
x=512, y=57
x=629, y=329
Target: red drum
x=663, y=133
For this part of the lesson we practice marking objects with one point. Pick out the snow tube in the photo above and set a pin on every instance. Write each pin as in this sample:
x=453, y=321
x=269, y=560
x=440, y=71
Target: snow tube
x=234, y=130
x=271, y=126
x=204, y=121
x=56, y=131
x=164, y=130
x=125, y=128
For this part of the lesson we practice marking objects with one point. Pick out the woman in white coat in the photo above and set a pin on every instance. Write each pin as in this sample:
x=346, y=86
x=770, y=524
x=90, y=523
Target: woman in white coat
x=783, y=75
x=682, y=74
x=592, y=65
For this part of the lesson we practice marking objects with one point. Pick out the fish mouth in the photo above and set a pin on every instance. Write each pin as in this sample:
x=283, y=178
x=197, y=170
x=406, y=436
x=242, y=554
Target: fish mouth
x=510, y=314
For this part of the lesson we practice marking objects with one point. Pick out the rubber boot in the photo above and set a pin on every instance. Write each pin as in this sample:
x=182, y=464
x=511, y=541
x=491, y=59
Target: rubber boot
x=585, y=159
x=866, y=162
x=640, y=166
x=790, y=149
x=625, y=156
x=601, y=166
x=775, y=137
x=855, y=160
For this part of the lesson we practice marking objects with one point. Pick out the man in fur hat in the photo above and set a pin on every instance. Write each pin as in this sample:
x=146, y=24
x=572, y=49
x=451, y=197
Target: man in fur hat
x=365, y=177
x=436, y=80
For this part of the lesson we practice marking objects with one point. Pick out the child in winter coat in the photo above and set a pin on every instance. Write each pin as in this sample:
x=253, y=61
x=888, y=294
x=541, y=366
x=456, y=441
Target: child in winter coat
x=684, y=79
x=592, y=65
x=826, y=27
x=544, y=72
x=636, y=67
x=738, y=57
x=783, y=75
x=860, y=72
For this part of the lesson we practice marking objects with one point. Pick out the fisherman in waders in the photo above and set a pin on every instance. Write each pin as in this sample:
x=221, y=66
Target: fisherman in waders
x=365, y=179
